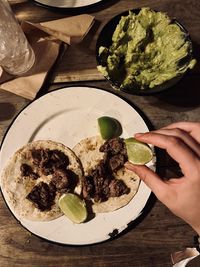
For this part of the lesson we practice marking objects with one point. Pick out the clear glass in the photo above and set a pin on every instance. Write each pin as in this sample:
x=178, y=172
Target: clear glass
x=16, y=54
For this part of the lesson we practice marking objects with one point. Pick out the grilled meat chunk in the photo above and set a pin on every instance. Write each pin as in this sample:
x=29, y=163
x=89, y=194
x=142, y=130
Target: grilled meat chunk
x=49, y=160
x=116, y=162
x=88, y=188
x=101, y=184
x=59, y=159
x=118, y=188
x=42, y=195
x=101, y=170
x=101, y=189
x=26, y=170
x=114, y=146
x=95, y=187
x=40, y=156
x=61, y=179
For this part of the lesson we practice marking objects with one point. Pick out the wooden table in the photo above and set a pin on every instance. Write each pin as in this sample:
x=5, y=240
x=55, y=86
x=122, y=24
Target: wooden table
x=149, y=242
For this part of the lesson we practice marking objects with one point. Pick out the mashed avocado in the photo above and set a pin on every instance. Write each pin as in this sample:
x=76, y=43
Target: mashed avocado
x=147, y=50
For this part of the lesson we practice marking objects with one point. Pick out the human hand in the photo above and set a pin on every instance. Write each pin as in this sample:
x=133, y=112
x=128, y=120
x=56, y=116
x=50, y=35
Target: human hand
x=181, y=195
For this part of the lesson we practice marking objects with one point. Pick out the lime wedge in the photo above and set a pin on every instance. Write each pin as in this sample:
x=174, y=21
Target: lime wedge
x=109, y=127
x=73, y=207
x=138, y=153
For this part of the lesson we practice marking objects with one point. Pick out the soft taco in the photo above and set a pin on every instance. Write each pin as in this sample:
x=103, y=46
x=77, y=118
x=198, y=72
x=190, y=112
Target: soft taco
x=36, y=176
x=106, y=183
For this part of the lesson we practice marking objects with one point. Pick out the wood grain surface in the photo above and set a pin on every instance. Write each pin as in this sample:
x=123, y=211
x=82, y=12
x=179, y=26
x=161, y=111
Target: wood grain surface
x=149, y=242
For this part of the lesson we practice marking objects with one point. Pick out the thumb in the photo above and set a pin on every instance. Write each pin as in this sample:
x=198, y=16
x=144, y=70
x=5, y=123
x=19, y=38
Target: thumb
x=150, y=178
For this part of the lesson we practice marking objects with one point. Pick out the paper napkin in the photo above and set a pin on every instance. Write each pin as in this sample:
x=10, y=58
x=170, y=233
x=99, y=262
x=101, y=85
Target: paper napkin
x=45, y=38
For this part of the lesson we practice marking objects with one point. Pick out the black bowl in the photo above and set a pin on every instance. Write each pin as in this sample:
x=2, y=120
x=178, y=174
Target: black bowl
x=105, y=39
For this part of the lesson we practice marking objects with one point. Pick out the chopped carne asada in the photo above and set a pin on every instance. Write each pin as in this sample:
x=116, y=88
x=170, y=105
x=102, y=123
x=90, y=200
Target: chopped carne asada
x=101, y=189
x=49, y=160
x=118, y=188
x=102, y=169
x=42, y=195
x=88, y=187
x=114, y=146
x=61, y=179
x=31, y=194
x=58, y=159
x=39, y=156
x=101, y=184
x=116, y=162
x=26, y=170
x=115, y=153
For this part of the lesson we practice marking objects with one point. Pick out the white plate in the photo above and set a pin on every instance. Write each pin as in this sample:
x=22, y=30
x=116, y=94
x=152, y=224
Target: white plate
x=67, y=3
x=68, y=115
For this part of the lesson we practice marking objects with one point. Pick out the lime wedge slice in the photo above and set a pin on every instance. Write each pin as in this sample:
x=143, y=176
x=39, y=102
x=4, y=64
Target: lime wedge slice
x=138, y=153
x=73, y=207
x=109, y=127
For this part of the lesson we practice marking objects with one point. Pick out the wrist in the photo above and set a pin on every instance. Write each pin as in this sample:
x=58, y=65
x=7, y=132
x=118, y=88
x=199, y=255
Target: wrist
x=197, y=229
x=195, y=223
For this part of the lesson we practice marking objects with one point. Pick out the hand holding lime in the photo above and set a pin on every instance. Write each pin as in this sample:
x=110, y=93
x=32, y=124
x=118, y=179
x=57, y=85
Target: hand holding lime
x=138, y=152
x=73, y=207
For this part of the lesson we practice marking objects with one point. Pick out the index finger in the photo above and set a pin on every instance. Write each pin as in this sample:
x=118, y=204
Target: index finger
x=192, y=128
x=175, y=147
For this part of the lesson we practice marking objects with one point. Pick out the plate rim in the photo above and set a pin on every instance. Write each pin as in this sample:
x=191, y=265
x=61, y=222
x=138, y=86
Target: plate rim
x=144, y=211
x=67, y=8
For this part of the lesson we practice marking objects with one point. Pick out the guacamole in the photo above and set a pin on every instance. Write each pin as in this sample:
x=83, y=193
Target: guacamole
x=147, y=50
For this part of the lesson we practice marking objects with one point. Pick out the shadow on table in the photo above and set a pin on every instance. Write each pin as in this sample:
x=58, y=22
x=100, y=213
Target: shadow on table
x=7, y=111
x=187, y=92
x=167, y=167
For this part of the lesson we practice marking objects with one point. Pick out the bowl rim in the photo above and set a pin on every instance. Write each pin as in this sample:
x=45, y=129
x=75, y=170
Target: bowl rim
x=157, y=89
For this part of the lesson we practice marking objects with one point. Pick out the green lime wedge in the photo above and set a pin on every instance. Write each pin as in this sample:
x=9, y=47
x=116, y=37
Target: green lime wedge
x=73, y=207
x=138, y=153
x=109, y=127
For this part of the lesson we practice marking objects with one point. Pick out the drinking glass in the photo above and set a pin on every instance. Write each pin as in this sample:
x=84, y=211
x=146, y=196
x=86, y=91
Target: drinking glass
x=16, y=54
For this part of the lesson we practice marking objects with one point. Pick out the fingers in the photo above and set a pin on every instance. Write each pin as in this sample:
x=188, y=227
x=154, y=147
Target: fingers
x=175, y=147
x=184, y=125
x=150, y=178
x=191, y=127
x=184, y=136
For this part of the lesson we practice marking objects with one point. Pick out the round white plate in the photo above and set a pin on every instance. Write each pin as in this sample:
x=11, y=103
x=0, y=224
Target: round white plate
x=67, y=3
x=68, y=115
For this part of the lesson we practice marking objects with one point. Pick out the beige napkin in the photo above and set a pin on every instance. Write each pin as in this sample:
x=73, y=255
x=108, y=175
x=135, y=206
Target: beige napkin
x=45, y=39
